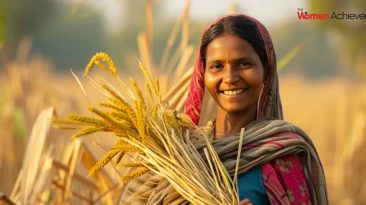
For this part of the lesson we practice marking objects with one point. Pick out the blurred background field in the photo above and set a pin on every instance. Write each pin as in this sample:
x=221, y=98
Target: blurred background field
x=322, y=82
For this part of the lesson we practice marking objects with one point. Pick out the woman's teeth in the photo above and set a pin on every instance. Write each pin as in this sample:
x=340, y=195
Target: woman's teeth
x=233, y=92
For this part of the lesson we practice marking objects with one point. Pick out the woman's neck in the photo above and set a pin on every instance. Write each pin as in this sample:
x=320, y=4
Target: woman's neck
x=230, y=123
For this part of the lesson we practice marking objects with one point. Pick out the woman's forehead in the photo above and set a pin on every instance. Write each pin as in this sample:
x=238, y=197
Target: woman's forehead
x=229, y=45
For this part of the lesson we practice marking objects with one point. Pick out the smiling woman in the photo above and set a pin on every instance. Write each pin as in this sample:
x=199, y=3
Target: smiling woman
x=234, y=77
x=279, y=163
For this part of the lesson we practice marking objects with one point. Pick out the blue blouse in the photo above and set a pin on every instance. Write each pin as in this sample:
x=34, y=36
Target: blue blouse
x=251, y=186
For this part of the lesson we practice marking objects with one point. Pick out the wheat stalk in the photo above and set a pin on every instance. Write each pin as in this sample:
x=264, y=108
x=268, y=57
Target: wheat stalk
x=159, y=135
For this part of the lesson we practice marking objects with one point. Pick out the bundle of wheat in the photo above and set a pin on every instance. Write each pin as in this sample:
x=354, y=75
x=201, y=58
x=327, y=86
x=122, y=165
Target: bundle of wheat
x=159, y=135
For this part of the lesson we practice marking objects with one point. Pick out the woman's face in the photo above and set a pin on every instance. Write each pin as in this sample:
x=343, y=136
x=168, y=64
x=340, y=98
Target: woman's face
x=233, y=74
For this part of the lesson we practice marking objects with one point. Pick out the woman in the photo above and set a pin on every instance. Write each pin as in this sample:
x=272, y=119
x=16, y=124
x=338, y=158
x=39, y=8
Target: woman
x=237, y=65
x=279, y=164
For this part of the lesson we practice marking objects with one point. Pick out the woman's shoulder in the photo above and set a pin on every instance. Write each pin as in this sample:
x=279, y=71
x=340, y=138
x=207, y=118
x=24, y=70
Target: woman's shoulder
x=270, y=122
x=275, y=126
x=273, y=130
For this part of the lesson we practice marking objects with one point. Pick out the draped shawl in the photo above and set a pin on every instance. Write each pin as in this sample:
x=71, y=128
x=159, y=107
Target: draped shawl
x=279, y=147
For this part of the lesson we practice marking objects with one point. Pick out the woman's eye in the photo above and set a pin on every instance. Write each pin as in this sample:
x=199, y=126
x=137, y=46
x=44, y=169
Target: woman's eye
x=216, y=67
x=245, y=65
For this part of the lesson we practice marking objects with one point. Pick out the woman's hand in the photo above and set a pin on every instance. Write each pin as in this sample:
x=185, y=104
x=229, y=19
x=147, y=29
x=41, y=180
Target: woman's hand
x=245, y=202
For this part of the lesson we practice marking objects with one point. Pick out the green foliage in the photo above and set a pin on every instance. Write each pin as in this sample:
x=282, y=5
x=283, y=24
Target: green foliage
x=70, y=41
x=67, y=36
x=291, y=36
x=350, y=34
x=19, y=123
x=26, y=18
x=2, y=24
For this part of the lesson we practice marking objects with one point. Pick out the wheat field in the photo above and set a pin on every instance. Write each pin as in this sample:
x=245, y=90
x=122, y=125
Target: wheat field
x=332, y=112
x=41, y=165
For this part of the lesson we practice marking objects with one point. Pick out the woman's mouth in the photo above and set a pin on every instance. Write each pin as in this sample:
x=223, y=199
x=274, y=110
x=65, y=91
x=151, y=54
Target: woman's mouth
x=233, y=92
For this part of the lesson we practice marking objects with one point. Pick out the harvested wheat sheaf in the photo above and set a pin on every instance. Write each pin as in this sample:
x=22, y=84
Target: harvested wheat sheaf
x=160, y=136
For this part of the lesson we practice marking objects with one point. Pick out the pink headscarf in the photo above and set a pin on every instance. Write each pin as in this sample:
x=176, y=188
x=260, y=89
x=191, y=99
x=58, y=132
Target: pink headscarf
x=269, y=105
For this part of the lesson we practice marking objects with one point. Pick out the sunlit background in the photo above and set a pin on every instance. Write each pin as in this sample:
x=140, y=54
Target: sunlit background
x=322, y=70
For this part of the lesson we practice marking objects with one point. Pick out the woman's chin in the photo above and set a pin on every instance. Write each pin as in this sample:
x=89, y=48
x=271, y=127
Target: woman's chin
x=235, y=109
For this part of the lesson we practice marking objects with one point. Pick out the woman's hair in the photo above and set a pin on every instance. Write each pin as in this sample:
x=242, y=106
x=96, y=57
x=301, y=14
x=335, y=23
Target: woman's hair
x=238, y=26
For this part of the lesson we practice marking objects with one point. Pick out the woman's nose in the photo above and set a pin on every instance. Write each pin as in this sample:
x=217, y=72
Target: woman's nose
x=230, y=76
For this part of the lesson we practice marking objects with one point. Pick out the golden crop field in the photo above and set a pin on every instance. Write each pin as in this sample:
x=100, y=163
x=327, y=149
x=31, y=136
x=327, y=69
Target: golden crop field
x=41, y=165
x=332, y=112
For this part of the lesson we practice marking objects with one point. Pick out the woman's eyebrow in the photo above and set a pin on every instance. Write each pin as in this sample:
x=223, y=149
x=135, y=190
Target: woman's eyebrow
x=242, y=58
x=232, y=60
x=214, y=61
